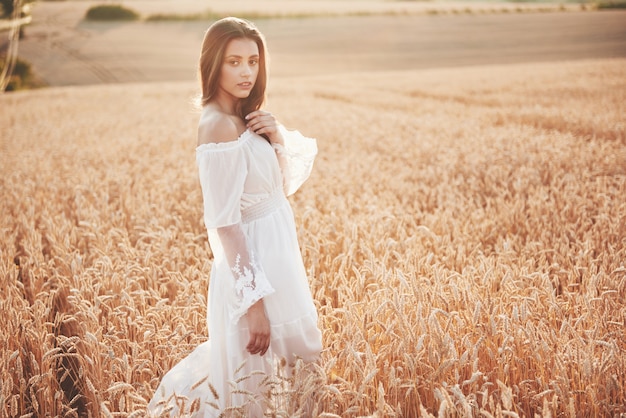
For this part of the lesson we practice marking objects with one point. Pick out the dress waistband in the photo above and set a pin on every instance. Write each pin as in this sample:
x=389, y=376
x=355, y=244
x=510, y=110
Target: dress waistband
x=264, y=207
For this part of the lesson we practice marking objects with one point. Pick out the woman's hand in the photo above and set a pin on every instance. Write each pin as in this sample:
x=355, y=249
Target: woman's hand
x=264, y=123
x=259, y=327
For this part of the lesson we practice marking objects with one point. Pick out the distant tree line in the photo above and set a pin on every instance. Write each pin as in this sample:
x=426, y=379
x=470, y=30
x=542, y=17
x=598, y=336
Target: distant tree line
x=7, y=8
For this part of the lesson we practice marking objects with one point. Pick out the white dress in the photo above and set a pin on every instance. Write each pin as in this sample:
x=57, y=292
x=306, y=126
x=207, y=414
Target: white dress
x=244, y=184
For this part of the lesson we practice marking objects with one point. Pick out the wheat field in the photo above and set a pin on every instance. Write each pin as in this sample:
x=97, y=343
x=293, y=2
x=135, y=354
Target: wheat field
x=464, y=231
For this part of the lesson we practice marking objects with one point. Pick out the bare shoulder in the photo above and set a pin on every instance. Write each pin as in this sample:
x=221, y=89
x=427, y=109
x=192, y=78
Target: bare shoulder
x=215, y=127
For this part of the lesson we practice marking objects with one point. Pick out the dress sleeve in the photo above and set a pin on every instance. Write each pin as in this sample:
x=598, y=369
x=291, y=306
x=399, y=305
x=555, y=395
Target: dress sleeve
x=295, y=158
x=222, y=172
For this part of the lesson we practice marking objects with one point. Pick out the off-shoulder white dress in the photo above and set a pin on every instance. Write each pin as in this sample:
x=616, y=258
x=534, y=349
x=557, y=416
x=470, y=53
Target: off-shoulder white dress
x=244, y=185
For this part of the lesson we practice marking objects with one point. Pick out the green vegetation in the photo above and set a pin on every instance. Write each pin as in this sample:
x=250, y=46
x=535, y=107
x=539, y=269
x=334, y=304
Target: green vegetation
x=6, y=8
x=22, y=76
x=106, y=12
x=210, y=15
x=161, y=17
x=611, y=4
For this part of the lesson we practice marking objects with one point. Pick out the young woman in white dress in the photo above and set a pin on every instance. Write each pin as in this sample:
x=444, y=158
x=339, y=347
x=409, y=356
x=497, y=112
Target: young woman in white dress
x=260, y=310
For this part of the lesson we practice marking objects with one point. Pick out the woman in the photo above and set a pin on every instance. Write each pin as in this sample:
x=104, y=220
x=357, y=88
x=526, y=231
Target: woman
x=261, y=313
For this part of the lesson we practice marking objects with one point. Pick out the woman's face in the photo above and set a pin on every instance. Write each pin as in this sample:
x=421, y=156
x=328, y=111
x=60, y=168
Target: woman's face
x=240, y=68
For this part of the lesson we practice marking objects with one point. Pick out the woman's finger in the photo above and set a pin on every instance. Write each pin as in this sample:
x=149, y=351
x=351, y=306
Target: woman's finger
x=251, y=344
x=259, y=117
x=266, y=120
x=257, y=113
x=258, y=345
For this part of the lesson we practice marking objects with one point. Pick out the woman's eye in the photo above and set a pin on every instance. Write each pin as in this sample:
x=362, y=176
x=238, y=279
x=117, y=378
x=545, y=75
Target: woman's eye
x=235, y=63
x=254, y=62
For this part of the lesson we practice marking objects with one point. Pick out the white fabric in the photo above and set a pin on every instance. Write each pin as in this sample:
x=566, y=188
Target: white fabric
x=295, y=159
x=253, y=238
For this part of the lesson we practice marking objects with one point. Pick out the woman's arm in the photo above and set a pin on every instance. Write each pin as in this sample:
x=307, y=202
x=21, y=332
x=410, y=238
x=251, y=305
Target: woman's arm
x=245, y=271
x=222, y=175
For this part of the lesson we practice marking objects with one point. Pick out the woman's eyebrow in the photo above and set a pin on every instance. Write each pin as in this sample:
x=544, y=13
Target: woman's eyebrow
x=239, y=56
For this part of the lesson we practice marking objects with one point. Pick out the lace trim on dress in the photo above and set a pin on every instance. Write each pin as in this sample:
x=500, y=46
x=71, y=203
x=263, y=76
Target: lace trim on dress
x=296, y=158
x=251, y=285
x=303, y=157
x=300, y=164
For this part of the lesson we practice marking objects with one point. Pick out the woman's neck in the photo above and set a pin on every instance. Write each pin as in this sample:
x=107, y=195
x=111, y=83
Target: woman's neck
x=227, y=105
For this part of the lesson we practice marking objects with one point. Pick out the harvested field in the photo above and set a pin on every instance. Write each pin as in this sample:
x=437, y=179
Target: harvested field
x=464, y=231
x=65, y=50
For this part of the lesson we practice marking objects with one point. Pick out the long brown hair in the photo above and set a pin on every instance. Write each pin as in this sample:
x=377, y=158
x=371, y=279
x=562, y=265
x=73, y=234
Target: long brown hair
x=214, y=45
